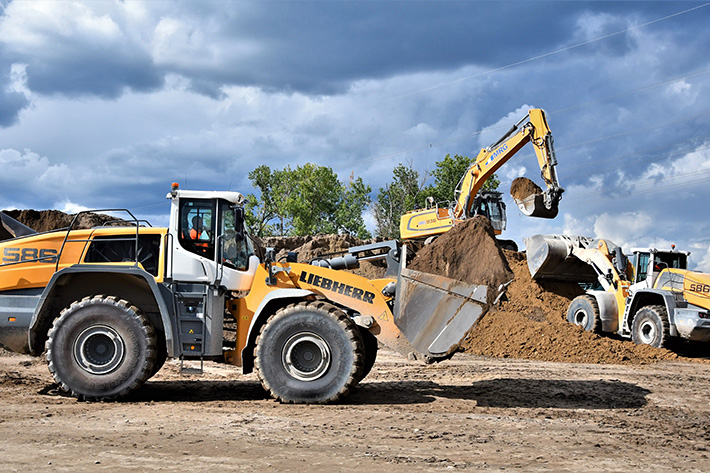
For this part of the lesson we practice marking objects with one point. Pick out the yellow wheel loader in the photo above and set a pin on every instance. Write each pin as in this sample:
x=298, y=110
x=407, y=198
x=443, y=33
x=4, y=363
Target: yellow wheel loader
x=650, y=299
x=110, y=304
x=469, y=200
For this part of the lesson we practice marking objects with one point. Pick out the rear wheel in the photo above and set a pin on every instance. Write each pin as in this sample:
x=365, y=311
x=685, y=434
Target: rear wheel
x=651, y=326
x=309, y=353
x=101, y=348
x=584, y=311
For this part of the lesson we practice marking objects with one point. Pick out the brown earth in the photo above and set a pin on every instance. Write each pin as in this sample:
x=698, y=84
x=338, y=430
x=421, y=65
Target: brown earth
x=523, y=187
x=469, y=413
x=531, y=324
x=468, y=252
x=47, y=220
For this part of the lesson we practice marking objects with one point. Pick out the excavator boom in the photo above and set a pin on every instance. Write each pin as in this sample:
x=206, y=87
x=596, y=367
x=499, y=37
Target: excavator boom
x=533, y=128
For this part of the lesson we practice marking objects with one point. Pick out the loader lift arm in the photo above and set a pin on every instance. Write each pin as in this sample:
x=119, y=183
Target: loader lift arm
x=532, y=128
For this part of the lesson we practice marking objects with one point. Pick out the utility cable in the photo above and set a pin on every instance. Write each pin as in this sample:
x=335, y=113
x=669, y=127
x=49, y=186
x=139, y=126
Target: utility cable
x=553, y=112
x=552, y=53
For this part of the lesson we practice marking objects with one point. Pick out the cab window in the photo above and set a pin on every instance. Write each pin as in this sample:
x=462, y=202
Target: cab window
x=641, y=266
x=196, y=231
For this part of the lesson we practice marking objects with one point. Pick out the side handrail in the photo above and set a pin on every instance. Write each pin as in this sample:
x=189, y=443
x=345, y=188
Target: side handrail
x=66, y=240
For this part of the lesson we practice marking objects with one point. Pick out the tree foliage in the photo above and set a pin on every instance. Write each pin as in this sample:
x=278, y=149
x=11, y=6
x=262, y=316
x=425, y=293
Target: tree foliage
x=406, y=191
x=305, y=201
x=310, y=199
x=397, y=197
x=447, y=176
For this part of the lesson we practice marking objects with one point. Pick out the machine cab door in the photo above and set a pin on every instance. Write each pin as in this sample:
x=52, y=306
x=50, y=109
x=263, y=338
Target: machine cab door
x=236, y=261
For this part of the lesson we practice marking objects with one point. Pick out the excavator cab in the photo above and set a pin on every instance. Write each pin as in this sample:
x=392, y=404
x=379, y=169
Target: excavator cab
x=490, y=204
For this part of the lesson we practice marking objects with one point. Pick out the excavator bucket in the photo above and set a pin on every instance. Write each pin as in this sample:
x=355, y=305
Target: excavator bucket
x=550, y=258
x=435, y=313
x=534, y=206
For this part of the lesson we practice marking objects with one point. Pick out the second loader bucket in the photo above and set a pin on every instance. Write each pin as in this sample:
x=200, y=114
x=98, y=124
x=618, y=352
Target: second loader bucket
x=550, y=257
x=434, y=312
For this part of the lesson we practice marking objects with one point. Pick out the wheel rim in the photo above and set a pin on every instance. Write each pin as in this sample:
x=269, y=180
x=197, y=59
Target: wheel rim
x=306, y=356
x=647, y=332
x=99, y=349
x=580, y=318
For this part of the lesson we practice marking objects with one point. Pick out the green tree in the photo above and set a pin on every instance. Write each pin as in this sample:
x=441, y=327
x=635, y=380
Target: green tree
x=397, y=197
x=313, y=201
x=448, y=174
x=354, y=200
x=267, y=214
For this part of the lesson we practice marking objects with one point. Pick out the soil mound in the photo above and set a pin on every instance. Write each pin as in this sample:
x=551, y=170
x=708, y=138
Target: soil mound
x=468, y=252
x=523, y=187
x=48, y=220
x=531, y=324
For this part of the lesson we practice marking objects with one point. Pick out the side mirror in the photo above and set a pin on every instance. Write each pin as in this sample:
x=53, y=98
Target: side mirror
x=239, y=220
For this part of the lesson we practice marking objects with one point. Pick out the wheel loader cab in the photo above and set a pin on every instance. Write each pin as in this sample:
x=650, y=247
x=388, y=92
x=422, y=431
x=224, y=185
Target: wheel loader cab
x=209, y=241
x=648, y=264
x=490, y=204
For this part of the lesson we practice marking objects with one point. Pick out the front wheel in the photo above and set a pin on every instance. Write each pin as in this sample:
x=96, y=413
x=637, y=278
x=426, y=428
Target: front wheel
x=309, y=352
x=584, y=311
x=651, y=326
x=101, y=348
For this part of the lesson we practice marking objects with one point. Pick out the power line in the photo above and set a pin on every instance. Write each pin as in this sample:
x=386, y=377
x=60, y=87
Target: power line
x=553, y=112
x=551, y=53
x=647, y=185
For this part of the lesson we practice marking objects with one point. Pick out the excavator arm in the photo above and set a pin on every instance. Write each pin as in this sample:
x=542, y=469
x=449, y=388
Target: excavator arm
x=533, y=128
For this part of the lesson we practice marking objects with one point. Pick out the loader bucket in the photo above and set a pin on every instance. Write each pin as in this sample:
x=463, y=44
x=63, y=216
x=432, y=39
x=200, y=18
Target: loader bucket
x=434, y=312
x=534, y=206
x=11, y=228
x=550, y=257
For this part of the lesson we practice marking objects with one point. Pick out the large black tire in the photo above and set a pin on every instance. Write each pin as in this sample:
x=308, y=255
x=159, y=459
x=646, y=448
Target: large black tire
x=584, y=311
x=101, y=348
x=651, y=326
x=370, y=346
x=309, y=352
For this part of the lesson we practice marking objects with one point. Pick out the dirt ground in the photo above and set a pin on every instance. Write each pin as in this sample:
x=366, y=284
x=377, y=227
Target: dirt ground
x=468, y=413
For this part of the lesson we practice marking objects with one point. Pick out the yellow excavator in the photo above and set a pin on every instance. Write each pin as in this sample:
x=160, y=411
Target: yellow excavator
x=434, y=220
x=651, y=298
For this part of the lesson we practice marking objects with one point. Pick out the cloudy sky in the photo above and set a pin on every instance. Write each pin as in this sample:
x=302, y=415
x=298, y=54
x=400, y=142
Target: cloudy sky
x=105, y=103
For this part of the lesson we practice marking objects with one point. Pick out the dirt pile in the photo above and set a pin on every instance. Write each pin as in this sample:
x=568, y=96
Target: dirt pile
x=468, y=252
x=47, y=220
x=531, y=324
x=523, y=187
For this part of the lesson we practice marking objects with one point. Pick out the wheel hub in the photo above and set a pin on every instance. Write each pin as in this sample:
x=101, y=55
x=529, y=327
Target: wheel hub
x=306, y=356
x=580, y=318
x=99, y=349
x=647, y=333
